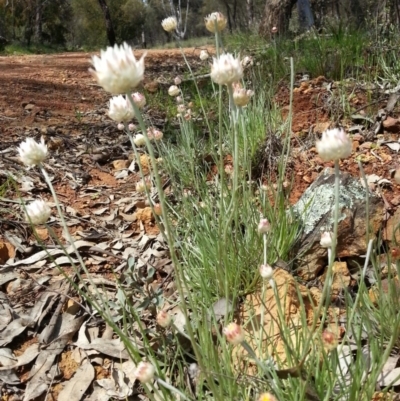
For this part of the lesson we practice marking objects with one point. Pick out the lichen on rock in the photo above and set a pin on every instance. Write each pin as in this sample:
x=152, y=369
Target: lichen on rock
x=315, y=209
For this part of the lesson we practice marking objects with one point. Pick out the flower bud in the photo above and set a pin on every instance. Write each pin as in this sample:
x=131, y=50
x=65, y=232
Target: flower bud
x=179, y=99
x=181, y=108
x=32, y=153
x=177, y=81
x=132, y=127
x=204, y=55
x=173, y=90
x=139, y=99
x=334, y=145
x=241, y=96
x=266, y=271
x=154, y=134
x=157, y=209
x=144, y=372
x=226, y=69
x=329, y=340
x=139, y=140
x=233, y=333
x=169, y=24
x=264, y=226
x=121, y=126
x=247, y=62
x=215, y=22
x=229, y=170
x=37, y=212
x=164, y=319
x=326, y=239
x=158, y=135
x=142, y=185
x=267, y=397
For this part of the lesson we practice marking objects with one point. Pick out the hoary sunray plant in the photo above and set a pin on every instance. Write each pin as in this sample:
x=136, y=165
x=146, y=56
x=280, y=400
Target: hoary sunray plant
x=225, y=231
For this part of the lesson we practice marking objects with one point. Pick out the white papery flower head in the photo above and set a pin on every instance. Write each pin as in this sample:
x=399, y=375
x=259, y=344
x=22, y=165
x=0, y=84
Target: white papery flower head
x=204, y=55
x=226, y=69
x=217, y=17
x=37, y=212
x=241, y=96
x=173, y=90
x=120, y=109
x=233, y=333
x=32, y=153
x=139, y=140
x=169, y=24
x=334, y=145
x=139, y=100
x=144, y=372
x=117, y=70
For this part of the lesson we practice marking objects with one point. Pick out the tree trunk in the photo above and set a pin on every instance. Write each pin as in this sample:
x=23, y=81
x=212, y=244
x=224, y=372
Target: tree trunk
x=38, y=34
x=228, y=15
x=250, y=12
x=109, y=24
x=276, y=14
x=306, y=18
x=357, y=12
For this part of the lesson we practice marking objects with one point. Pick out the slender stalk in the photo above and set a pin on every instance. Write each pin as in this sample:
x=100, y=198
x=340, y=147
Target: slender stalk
x=172, y=388
x=326, y=290
x=180, y=280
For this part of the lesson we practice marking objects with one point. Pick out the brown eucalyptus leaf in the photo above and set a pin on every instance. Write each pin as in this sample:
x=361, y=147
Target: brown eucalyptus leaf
x=14, y=329
x=75, y=388
x=28, y=356
x=114, y=348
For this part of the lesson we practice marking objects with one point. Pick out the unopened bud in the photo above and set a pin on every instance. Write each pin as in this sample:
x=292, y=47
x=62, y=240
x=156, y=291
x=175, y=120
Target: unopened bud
x=234, y=333
x=164, y=319
x=157, y=209
x=326, y=239
x=267, y=397
x=144, y=372
x=266, y=271
x=329, y=340
x=263, y=226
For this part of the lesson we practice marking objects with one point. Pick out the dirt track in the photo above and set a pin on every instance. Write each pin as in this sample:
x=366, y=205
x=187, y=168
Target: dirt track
x=59, y=85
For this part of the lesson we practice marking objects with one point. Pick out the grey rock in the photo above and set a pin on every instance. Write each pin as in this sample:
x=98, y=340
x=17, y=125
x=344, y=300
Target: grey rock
x=316, y=210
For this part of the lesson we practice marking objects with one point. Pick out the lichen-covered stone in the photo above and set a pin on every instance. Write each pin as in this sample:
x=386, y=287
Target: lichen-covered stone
x=316, y=210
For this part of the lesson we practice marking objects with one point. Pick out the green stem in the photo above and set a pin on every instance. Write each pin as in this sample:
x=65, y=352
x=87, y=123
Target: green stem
x=180, y=278
x=326, y=290
x=172, y=388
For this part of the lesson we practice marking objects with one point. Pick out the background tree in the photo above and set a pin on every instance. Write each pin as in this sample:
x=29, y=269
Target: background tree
x=109, y=24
